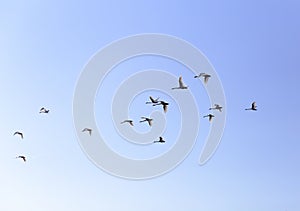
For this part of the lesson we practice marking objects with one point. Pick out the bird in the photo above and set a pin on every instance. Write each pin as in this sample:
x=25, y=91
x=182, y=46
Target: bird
x=152, y=100
x=44, y=110
x=204, y=75
x=181, y=85
x=128, y=121
x=217, y=107
x=164, y=104
x=253, y=107
x=145, y=119
x=87, y=130
x=210, y=116
x=19, y=133
x=161, y=140
x=21, y=157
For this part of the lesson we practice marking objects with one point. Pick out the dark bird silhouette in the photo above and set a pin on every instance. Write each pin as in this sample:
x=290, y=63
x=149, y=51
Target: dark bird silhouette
x=128, y=121
x=152, y=100
x=253, y=107
x=21, y=157
x=44, y=110
x=204, y=75
x=210, y=116
x=146, y=119
x=161, y=140
x=181, y=85
x=87, y=130
x=19, y=133
x=217, y=107
x=164, y=104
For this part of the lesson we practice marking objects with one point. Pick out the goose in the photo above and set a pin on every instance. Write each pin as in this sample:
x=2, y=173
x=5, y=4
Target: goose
x=164, y=104
x=217, y=107
x=181, y=85
x=145, y=119
x=19, y=133
x=210, y=116
x=161, y=140
x=152, y=100
x=204, y=75
x=21, y=157
x=44, y=110
x=128, y=121
x=87, y=130
x=253, y=107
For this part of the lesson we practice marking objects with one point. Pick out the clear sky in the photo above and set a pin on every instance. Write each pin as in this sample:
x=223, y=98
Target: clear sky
x=254, y=47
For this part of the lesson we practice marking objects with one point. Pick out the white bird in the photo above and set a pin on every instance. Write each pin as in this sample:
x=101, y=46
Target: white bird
x=128, y=121
x=89, y=130
x=181, y=84
x=210, y=116
x=152, y=100
x=164, y=104
x=161, y=140
x=44, y=110
x=21, y=157
x=253, y=107
x=204, y=75
x=145, y=119
x=19, y=133
x=217, y=107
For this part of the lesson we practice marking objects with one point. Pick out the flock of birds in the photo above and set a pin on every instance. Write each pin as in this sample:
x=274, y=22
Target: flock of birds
x=153, y=102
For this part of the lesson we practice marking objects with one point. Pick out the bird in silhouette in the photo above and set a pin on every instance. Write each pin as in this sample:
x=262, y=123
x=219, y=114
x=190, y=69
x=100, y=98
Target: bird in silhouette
x=161, y=140
x=164, y=104
x=210, y=116
x=204, y=75
x=89, y=130
x=253, y=107
x=44, y=110
x=217, y=107
x=152, y=100
x=19, y=133
x=146, y=119
x=128, y=121
x=21, y=157
x=181, y=85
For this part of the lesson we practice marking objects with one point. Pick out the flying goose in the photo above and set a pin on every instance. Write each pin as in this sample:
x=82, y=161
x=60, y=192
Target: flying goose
x=128, y=121
x=152, y=100
x=204, y=75
x=145, y=119
x=87, y=130
x=21, y=157
x=217, y=107
x=44, y=110
x=253, y=107
x=210, y=116
x=181, y=85
x=164, y=104
x=19, y=133
x=161, y=140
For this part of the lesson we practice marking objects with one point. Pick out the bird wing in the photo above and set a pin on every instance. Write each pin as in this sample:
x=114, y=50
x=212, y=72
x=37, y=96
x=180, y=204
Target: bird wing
x=150, y=122
x=165, y=107
x=180, y=82
x=152, y=100
x=206, y=78
x=131, y=123
x=254, y=105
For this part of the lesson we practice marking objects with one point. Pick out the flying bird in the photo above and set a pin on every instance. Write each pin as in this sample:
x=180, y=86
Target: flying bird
x=253, y=107
x=145, y=119
x=87, y=130
x=204, y=75
x=217, y=107
x=164, y=104
x=161, y=140
x=44, y=110
x=210, y=116
x=181, y=85
x=152, y=100
x=128, y=121
x=21, y=157
x=19, y=133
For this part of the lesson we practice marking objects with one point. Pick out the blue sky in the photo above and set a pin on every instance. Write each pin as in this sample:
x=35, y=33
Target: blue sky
x=253, y=46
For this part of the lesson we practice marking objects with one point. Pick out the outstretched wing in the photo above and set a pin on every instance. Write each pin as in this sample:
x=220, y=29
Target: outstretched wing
x=180, y=82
